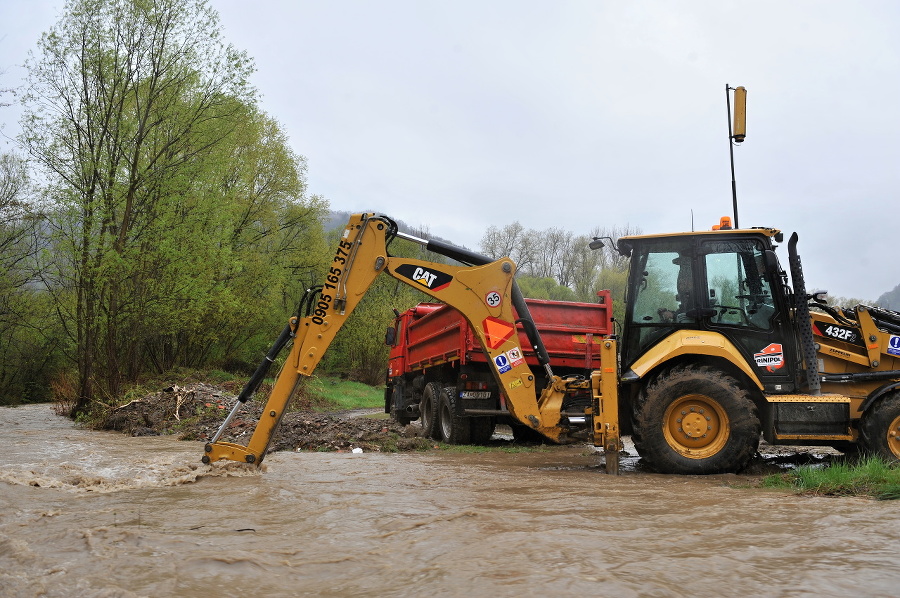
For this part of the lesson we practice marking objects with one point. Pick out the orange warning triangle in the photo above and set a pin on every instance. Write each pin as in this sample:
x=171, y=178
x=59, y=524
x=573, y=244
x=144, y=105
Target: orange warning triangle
x=496, y=331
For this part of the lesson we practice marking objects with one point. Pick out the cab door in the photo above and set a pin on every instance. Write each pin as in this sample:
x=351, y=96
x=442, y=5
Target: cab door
x=661, y=294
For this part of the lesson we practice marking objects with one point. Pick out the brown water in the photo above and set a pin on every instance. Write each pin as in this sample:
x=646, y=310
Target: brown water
x=99, y=514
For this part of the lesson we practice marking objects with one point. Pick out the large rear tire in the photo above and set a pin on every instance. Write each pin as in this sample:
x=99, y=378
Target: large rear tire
x=454, y=429
x=879, y=429
x=428, y=409
x=695, y=420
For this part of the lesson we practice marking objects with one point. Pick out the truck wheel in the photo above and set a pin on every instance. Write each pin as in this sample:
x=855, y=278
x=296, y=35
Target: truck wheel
x=428, y=409
x=398, y=408
x=453, y=428
x=695, y=420
x=481, y=429
x=879, y=429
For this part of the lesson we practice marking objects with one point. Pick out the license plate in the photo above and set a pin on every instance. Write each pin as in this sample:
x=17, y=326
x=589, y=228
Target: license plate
x=475, y=394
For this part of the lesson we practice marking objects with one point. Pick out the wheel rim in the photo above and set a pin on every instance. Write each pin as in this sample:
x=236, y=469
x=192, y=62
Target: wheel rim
x=446, y=421
x=425, y=410
x=893, y=437
x=696, y=426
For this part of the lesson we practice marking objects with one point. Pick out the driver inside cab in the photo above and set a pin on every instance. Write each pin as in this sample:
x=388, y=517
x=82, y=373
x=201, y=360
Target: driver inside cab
x=684, y=285
x=761, y=307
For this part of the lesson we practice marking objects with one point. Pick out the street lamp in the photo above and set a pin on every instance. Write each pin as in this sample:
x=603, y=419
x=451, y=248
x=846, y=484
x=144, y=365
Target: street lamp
x=737, y=135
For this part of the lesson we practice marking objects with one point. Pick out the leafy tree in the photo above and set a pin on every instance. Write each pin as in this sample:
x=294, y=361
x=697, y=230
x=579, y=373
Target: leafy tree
x=256, y=245
x=544, y=288
x=17, y=230
x=358, y=350
x=29, y=352
x=615, y=281
x=179, y=216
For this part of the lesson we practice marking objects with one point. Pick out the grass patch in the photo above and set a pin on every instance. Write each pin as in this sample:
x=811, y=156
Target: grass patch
x=341, y=394
x=870, y=476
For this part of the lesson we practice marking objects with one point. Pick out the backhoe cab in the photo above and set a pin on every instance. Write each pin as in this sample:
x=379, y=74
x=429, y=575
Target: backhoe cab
x=717, y=348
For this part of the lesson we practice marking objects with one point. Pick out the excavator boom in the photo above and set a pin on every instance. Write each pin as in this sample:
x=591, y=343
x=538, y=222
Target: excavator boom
x=483, y=291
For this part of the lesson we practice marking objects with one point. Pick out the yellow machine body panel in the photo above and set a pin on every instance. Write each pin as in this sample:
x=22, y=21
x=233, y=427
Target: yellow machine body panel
x=692, y=342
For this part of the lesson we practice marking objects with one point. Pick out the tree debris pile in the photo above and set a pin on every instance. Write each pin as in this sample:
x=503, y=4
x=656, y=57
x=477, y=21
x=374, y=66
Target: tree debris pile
x=196, y=411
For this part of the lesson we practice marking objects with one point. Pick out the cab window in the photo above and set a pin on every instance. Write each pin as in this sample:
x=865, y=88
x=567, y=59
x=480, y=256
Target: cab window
x=737, y=287
x=664, y=293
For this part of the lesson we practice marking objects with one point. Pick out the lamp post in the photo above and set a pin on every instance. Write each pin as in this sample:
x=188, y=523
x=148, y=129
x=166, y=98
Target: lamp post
x=737, y=135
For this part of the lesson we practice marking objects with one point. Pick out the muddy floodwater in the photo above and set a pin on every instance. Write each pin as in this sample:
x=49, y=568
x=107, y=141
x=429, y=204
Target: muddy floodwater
x=101, y=514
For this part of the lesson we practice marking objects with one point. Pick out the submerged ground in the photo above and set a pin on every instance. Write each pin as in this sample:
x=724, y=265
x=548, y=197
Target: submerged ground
x=197, y=410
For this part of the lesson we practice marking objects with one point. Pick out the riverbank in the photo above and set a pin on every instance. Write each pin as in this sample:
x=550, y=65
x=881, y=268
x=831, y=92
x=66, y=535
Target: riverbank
x=197, y=410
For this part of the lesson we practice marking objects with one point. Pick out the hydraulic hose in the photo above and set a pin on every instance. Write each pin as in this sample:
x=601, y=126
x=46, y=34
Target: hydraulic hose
x=263, y=368
x=256, y=379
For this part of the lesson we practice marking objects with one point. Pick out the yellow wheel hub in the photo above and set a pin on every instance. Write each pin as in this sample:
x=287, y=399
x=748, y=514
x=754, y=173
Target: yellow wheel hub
x=697, y=426
x=893, y=437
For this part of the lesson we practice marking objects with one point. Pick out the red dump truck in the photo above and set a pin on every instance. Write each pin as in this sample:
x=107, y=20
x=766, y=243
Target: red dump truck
x=438, y=372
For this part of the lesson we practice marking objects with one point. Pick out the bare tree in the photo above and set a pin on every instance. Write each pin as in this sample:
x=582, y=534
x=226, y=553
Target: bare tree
x=501, y=242
x=4, y=91
x=582, y=267
x=556, y=245
x=610, y=257
x=555, y=253
x=511, y=241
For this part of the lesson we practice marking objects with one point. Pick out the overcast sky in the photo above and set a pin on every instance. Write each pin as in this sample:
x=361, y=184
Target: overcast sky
x=458, y=115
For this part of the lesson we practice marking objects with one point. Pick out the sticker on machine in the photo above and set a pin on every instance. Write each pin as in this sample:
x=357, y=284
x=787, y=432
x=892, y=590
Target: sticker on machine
x=893, y=347
x=493, y=299
x=771, y=358
x=515, y=357
x=502, y=363
x=496, y=331
x=434, y=280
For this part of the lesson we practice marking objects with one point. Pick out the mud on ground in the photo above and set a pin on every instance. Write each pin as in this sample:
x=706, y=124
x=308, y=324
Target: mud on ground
x=196, y=411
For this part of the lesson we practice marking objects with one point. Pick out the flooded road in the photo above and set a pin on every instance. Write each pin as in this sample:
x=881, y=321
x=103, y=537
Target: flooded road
x=100, y=514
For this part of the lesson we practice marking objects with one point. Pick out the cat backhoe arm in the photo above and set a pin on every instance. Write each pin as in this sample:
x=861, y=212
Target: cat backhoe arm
x=484, y=292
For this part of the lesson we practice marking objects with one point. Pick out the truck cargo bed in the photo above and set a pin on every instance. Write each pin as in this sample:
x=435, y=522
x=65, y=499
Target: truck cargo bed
x=570, y=331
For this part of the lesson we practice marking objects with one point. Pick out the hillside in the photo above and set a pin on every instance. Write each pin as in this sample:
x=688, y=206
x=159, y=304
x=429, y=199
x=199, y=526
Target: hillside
x=891, y=299
x=337, y=219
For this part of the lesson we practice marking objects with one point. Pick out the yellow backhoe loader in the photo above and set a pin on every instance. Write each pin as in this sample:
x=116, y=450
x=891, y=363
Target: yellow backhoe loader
x=716, y=350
